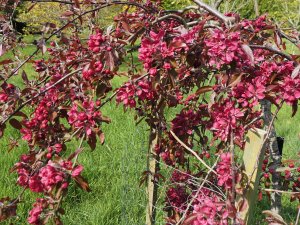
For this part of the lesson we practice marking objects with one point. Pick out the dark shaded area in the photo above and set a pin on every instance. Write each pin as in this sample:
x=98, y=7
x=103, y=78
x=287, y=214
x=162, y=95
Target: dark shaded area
x=19, y=26
x=280, y=142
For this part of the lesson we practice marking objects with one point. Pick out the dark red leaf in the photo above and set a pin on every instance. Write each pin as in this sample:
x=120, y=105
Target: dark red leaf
x=294, y=108
x=83, y=184
x=203, y=90
x=92, y=142
x=101, y=137
x=15, y=124
x=6, y=61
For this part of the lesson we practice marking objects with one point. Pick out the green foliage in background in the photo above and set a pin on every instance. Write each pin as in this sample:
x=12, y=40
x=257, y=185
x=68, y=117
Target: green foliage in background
x=175, y=4
x=38, y=15
x=285, y=12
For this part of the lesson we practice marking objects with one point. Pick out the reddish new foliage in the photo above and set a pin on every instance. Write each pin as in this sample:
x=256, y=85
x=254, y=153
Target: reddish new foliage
x=214, y=73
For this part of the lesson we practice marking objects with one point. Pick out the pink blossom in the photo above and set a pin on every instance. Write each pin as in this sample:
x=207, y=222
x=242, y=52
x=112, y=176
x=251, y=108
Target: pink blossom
x=77, y=171
x=225, y=118
x=35, y=213
x=95, y=41
x=224, y=48
x=290, y=90
x=224, y=171
x=209, y=209
x=126, y=95
x=50, y=176
x=3, y=97
x=87, y=118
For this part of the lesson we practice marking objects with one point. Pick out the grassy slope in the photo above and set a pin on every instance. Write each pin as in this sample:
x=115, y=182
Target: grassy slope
x=113, y=171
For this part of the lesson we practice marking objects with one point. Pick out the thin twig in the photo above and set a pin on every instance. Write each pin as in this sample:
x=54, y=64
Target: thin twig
x=79, y=147
x=218, y=3
x=177, y=17
x=182, y=10
x=280, y=191
x=196, y=195
x=215, y=12
x=298, y=217
x=269, y=48
x=192, y=151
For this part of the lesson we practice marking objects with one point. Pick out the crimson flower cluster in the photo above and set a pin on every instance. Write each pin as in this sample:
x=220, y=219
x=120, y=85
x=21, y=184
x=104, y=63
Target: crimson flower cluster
x=129, y=92
x=87, y=118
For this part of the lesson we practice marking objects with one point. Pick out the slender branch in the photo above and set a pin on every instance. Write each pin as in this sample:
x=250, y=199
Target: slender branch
x=37, y=95
x=196, y=195
x=192, y=151
x=252, y=122
x=182, y=10
x=174, y=17
x=284, y=35
x=215, y=12
x=298, y=217
x=280, y=191
x=218, y=3
x=79, y=147
x=58, y=1
x=271, y=49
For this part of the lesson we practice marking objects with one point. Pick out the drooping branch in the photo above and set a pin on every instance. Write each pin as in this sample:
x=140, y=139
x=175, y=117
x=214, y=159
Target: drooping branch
x=215, y=12
x=70, y=22
x=50, y=1
x=39, y=94
x=269, y=48
x=193, y=152
x=218, y=3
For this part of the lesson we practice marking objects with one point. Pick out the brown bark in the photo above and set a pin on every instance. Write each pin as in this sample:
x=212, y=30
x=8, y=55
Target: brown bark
x=274, y=156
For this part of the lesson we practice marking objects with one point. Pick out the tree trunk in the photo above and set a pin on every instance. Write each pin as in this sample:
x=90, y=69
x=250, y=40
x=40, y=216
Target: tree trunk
x=274, y=156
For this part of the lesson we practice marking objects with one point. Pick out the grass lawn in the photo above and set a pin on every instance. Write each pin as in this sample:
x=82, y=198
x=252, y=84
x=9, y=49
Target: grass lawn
x=114, y=169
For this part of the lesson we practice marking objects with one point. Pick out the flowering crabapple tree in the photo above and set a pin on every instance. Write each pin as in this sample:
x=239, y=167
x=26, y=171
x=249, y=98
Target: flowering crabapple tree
x=214, y=68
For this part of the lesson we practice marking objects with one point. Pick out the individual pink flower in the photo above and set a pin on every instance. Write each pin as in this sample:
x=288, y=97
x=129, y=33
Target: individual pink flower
x=77, y=171
x=51, y=176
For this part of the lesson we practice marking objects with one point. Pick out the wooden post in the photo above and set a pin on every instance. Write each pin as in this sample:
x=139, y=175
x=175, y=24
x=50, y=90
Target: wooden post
x=153, y=168
x=254, y=150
